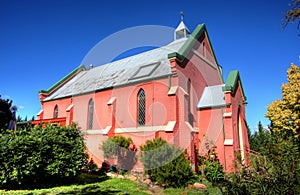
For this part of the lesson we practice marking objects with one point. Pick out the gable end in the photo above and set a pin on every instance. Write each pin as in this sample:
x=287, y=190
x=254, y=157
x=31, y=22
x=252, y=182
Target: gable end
x=232, y=82
x=182, y=52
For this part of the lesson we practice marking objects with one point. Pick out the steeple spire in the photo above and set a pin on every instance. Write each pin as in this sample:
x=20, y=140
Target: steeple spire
x=181, y=30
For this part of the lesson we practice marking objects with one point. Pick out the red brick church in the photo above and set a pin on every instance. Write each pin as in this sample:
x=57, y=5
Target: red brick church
x=175, y=92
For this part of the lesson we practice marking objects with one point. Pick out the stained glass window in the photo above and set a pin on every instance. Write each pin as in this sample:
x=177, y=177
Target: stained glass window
x=141, y=108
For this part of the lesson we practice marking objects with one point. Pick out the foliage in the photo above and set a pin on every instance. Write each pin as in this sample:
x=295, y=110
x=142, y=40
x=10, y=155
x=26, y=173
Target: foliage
x=210, y=166
x=5, y=113
x=113, y=144
x=259, y=139
x=284, y=114
x=166, y=164
x=50, y=154
x=275, y=171
x=275, y=167
x=293, y=14
x=122, y=148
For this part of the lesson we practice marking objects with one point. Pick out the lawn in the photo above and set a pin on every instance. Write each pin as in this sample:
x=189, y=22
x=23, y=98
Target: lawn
x=111, y=186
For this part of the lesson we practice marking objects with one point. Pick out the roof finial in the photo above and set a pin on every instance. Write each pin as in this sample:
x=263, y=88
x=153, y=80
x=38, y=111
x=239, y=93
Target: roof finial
x=182, y=15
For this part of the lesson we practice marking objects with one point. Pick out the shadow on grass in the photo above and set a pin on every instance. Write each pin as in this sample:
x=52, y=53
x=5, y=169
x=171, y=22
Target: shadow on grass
x=87, y=178
x=81, y=179
x=91, y=189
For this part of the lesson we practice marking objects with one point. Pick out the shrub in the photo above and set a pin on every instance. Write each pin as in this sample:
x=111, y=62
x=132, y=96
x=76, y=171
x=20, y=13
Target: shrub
x=277, y=171
x=121, y=148
x=209, y=165
x=40, y=155
x=166, y=164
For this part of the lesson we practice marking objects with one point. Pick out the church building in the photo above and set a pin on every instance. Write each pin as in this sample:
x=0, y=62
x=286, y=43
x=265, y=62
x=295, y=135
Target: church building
x=175, y=92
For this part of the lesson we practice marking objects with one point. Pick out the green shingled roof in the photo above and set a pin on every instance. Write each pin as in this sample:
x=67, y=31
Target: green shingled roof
x=232, y=82
x=183, y=51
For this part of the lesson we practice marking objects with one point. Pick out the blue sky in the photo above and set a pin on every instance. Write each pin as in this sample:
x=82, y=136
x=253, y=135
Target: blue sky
x=42, y=41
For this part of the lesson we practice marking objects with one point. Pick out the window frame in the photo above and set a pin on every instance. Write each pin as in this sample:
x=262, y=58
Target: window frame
x=55, y=111
x=141, y=108
x=90, y=118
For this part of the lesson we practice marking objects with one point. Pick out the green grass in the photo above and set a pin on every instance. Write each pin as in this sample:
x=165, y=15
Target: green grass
x=188, y=191
x=93, y=184
x=110, y=186
x=192, y=191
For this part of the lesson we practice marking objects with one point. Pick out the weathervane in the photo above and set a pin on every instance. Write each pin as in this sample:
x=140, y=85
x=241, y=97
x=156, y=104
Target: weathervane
x=181, y=15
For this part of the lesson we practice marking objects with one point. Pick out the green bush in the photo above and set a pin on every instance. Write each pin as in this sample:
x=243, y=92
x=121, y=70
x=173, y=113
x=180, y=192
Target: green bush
x=275, y=171
x=113, y=146
x=40, y=156
x=121, y=148
x=210, y=167
x=166, y=164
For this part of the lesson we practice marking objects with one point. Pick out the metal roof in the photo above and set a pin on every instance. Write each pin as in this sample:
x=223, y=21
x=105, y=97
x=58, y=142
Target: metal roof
x=144, y=66
x=212, y=96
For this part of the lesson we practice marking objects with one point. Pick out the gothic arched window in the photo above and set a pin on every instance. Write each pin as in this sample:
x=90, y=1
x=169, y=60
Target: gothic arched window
x=190, y=115
x=55, y=113
x=141, y=108
x=90, y=114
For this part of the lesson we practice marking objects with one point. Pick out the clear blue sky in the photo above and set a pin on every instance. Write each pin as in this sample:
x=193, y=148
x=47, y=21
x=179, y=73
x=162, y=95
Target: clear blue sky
x=42, y=41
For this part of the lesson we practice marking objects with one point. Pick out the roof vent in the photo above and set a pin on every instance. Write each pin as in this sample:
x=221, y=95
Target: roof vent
x=181, y=31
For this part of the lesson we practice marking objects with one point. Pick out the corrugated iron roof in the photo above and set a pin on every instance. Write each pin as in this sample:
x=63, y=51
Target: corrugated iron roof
x=212, y=96
x=144, y=66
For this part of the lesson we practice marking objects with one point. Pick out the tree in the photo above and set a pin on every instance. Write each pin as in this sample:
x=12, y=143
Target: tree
x=284, y=114
x=293, y=14
x=5, y=113
x=259, y=139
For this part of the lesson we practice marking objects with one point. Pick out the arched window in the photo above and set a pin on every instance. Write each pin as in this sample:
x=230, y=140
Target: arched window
x=190, y=115
x=55, y=113
x=189, y=95
x=141, y=108
x=90, y=114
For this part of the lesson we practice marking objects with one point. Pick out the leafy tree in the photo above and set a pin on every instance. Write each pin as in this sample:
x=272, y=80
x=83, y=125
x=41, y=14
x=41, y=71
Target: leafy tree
x=5, y=113
x=292, y=15
x=166, y=164
x=39, y=156
x=284, y=114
